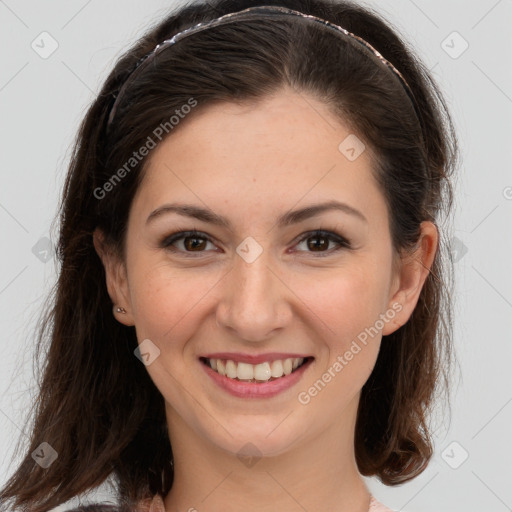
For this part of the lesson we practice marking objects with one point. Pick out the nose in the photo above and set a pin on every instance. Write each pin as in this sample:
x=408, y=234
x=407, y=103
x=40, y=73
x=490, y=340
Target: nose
x=255, y=301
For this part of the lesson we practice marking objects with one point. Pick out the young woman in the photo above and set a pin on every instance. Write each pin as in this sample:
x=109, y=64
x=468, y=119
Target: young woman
x=252, y=311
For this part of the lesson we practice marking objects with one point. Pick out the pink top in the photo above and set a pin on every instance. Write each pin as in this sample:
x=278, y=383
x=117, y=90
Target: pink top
x=157, y=505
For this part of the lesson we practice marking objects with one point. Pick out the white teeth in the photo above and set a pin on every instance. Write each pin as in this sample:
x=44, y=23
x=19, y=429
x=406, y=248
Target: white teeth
x=276, y=370
x=221, y=367
x=245, y=371
x=230, y=369
x=260, y=372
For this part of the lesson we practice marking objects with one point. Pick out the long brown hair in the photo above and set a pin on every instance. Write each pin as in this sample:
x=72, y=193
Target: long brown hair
x=97, y=406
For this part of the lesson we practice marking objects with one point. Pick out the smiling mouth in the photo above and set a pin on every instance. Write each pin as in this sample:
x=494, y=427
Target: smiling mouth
x=262, y=372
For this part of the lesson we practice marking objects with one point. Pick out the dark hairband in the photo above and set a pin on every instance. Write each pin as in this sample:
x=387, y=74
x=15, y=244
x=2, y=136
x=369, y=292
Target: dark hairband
x=245, y=14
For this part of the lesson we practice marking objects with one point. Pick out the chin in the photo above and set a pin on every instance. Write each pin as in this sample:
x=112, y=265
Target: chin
x=261, y=437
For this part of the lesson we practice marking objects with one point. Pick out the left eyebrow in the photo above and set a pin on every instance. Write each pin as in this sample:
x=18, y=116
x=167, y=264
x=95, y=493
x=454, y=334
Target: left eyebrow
x=287, y=219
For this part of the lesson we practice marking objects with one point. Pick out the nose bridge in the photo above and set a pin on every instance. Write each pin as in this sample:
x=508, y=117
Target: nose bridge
x=253, y=304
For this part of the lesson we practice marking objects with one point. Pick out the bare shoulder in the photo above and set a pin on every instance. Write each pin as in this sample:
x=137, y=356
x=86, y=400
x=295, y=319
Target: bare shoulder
x=377, y=506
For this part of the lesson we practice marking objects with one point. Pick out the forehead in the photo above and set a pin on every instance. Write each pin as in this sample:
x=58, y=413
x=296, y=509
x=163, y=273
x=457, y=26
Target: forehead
x=279, y=151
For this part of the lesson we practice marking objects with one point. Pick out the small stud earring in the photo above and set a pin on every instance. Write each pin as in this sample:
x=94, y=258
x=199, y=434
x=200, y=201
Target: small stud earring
x=120, y=310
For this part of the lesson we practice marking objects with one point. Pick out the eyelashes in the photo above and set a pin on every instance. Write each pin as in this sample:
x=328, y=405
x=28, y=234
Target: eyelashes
x=200, y=241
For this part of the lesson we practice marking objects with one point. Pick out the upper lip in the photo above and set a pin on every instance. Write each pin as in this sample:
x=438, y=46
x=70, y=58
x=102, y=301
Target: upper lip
x=253, y=358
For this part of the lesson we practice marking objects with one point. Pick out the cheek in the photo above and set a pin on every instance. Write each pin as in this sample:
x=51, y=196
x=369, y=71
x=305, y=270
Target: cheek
x=345, y=301
x=166, y=302
x=347, y=304
x=350, y=346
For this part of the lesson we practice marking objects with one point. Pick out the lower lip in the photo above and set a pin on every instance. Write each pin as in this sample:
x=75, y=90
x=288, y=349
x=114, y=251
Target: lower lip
x=256, y=389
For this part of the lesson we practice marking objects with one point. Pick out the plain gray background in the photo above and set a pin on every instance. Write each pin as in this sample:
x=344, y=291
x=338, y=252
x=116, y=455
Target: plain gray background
x=44, y=99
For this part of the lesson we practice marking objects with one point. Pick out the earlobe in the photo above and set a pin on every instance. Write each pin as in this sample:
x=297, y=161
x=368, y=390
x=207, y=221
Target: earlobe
x=414, y=270
x=116, y=279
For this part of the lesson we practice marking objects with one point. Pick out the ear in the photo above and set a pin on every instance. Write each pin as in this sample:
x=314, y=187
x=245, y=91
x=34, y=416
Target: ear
x=409, y=281
x=116, y=278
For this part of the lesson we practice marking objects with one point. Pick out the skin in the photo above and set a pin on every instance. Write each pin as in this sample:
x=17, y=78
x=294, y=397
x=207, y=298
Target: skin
x=252, y=163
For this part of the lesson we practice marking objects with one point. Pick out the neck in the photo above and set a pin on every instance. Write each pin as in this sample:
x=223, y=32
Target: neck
x=318, y=473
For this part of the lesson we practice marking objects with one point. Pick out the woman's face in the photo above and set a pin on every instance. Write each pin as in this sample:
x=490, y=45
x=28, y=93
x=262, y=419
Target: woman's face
x=260, y=286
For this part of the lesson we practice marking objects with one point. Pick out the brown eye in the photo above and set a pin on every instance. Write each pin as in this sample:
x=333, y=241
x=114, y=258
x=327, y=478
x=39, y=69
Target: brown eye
x=192, y=241
x=318, y=241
